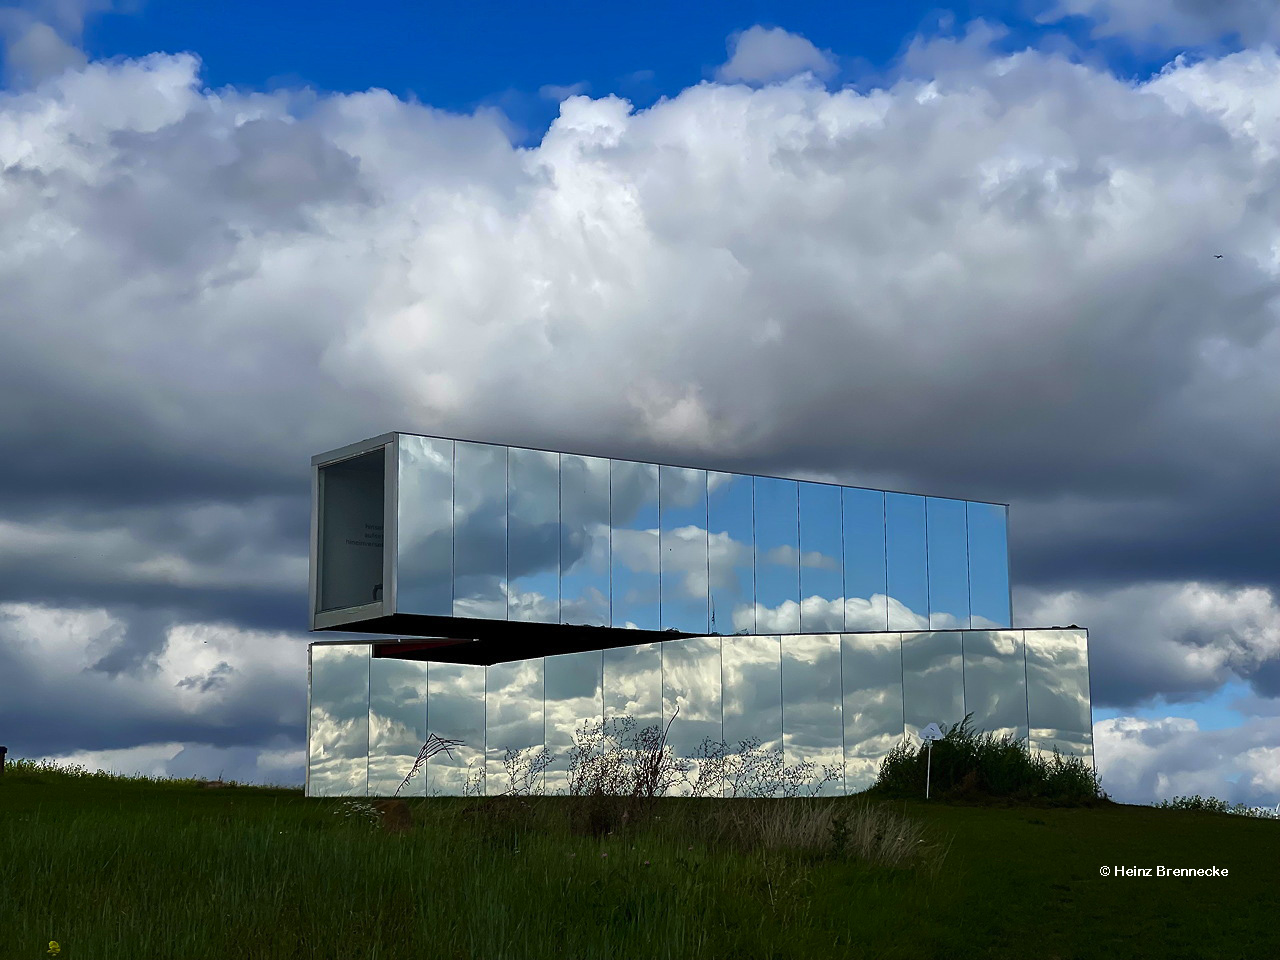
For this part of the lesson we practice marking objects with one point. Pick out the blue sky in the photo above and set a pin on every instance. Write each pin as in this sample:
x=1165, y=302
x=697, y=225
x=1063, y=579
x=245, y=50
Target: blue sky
x=460, y=57
x=988, y=242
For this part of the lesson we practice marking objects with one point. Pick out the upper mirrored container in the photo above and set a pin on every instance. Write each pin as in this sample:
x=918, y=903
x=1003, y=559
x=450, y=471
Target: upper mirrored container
x=480, y=533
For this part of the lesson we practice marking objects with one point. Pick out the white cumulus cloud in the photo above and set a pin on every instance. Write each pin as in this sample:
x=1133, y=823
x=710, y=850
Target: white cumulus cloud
x=765, y=54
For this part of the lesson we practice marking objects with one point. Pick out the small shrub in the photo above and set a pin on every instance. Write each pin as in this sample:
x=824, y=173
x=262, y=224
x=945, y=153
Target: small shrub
x=968, y=764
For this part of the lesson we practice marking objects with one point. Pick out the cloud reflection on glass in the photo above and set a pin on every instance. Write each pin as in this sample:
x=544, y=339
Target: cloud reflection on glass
x=691, y=686
x=812, y=726
x=871, y=680
x=932, y=680
x=732, y=553
x=338, y=738
x=752, y=692
x=1058, y=692
x=513, y=717
x=573, y=686
x=633, y=506
x=480, y=531
x=633, y=683
x=424, y=523
x=823, y=699
x=538, y=536
x=995, y=685
x=533, y=535
x=397, y=724
x=682, y=499
x=456, y=708
x=584, y=540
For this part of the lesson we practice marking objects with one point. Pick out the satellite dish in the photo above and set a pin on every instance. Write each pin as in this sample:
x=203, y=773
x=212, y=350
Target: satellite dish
x=931, y=732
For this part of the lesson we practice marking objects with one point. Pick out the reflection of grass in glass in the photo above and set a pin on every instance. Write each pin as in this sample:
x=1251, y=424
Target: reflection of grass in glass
x=133, y=867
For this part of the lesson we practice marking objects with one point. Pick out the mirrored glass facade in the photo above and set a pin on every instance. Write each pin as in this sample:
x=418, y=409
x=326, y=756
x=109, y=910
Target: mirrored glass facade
x=491, y=533
x=829, y=706
x=783, y=635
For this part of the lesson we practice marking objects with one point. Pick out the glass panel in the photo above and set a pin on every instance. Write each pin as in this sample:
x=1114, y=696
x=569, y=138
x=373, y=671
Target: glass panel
x=682, y=497
x=777, y=556
x=397, y=725
x=1058, y=691
x=691, y=685
x=424, y=534
x=584, y=540
x=572, y=695
x=865, y=589
x=995, y=683
x=338, y=739
x=533, y=535
x=480, y=531
x=513, y=720
x=812, y=729
x=351, y=531
x=871, y=678
x=752, y=676
x=821, y=558
x=732, y=561
x=989, y=565
x=948, y=564
x=455, y=708
x=932, y=680
x=906, y=563
x=633, y=517
x=633, y=683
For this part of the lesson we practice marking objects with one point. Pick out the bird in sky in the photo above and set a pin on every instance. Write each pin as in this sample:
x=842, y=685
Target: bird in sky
x=1217, y=256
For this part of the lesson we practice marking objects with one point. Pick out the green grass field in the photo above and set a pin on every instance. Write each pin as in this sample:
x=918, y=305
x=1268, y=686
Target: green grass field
x=133, y=868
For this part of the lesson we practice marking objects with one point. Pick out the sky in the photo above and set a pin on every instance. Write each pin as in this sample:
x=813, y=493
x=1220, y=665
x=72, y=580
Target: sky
x=1022, y=252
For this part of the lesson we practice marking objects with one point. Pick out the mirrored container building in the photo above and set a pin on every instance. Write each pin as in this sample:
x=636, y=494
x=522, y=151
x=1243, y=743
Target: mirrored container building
x=530, y=592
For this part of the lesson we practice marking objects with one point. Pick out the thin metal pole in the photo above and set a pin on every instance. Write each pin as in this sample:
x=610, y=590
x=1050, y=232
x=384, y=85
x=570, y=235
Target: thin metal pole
x=928, y=770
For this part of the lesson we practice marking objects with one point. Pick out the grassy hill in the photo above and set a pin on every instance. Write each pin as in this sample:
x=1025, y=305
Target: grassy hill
x=118, y=867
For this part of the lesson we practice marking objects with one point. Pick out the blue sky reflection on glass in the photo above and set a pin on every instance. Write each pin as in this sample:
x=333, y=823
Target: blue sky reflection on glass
x=682, y=500
x=533, y=535
x=821, y=558
x=948, y=551
x=777, y=555
x=634, y=545
x=731, y=561
x=865, y=584
x=480, y=531
x=906, y=562
x=989, y=565
x=424, y=582
x=584, y=540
